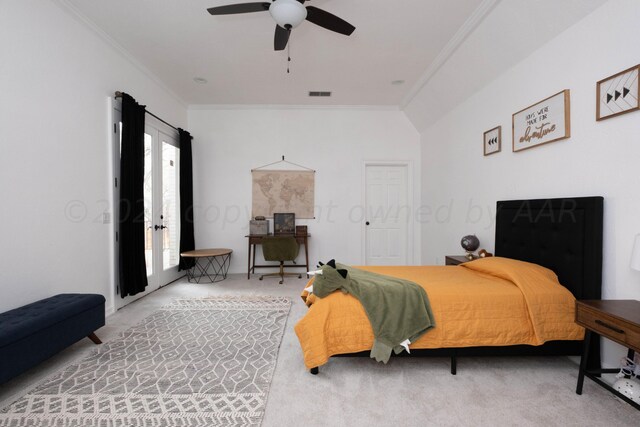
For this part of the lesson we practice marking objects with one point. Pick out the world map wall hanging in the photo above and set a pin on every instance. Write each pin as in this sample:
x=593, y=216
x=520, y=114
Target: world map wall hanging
x=283, y=191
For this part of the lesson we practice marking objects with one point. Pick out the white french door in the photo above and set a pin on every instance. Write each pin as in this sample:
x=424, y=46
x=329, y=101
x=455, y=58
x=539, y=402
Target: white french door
x=161, y=203
x=161, y=206
x=387, y=214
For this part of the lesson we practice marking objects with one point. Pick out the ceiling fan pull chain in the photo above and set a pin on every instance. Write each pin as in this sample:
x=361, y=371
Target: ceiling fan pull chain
x=289, y=54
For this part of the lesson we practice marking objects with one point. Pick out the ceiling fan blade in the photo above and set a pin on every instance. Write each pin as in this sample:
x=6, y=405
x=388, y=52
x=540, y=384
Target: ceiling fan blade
x=281, y=38
x=231, y=9
x=329, y=21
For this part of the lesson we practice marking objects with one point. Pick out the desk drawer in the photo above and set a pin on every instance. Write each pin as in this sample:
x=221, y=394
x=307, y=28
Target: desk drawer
x=609, y=326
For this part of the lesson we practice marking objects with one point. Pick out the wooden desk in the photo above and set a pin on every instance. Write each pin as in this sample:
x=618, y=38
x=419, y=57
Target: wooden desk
x=257, y=240
x=617, y=320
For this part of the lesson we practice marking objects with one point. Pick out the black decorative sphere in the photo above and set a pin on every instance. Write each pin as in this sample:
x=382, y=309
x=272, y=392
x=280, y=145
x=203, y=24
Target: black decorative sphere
x=470, y=243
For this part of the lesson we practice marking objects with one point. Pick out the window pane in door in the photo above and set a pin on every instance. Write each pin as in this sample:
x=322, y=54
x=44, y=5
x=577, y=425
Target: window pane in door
x=148, y=203
x=170, y=206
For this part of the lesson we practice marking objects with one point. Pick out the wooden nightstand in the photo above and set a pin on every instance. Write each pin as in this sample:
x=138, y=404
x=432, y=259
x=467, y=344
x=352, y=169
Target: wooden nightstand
x=457, y=259
x=617, y=320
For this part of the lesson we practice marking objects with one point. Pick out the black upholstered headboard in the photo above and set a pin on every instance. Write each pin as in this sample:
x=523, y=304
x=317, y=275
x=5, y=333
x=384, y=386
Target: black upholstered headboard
x=564, y=235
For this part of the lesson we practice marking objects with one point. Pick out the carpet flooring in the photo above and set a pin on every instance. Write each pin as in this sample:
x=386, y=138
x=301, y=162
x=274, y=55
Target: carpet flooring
x=488, y=391
x=195, y=362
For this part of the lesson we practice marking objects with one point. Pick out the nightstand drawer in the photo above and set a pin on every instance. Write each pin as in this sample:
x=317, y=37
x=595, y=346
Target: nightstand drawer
x=614, y=328
x=617, y=320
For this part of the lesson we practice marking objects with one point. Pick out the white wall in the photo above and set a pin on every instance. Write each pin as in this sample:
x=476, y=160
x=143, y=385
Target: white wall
x=510, y=31
x=600, y=158
x=228, y=143
x=56, y=76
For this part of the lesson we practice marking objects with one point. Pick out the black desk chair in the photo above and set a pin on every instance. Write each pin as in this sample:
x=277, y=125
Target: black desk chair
x=280, y=248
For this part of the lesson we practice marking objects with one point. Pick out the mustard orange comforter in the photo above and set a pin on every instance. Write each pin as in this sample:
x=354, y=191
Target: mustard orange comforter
x=488, y=302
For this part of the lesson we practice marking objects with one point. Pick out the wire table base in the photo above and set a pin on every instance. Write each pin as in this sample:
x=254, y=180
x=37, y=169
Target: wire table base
x=210, y=265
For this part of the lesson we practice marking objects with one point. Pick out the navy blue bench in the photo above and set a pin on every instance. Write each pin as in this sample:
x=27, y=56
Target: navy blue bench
x=35, y=332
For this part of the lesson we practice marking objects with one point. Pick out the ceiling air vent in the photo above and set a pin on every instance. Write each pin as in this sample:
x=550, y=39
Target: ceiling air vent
x=318, y=93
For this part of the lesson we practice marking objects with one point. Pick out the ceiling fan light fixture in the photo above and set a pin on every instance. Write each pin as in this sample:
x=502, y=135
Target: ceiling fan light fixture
x=288, y=13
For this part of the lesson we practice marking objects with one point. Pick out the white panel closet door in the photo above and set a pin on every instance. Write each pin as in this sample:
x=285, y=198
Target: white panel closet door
x=387, y=214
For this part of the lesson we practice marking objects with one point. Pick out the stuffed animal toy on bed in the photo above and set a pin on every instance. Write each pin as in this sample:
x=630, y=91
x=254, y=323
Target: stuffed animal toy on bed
x=327, y=279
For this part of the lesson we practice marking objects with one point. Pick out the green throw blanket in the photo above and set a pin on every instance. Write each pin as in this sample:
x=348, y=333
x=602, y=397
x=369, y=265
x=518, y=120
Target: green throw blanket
x=398, y=309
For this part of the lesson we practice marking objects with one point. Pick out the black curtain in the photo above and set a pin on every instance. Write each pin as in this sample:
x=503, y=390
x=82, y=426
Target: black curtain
x=187, y=239
x=131, y=234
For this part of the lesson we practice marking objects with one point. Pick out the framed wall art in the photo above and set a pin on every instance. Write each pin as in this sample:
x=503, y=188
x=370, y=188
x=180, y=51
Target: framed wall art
x=284, y=223
x=546, y=121
x=493, y=141
x=282, y=191
x=618, y=94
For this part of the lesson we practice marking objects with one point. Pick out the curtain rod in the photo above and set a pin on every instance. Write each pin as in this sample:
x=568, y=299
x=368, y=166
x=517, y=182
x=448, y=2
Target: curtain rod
x=119, y=95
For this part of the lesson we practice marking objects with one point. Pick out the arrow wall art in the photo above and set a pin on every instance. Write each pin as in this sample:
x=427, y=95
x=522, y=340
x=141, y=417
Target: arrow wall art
x=493, y=141
x=618, y=94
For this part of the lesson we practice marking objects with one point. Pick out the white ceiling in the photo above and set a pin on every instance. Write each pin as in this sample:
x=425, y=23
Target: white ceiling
x=178, y=40
x=410, y=40
x=512, y=31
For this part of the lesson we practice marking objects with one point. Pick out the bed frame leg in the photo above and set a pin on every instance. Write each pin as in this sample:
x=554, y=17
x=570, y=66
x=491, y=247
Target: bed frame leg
x=454, y=363
x=314, y=371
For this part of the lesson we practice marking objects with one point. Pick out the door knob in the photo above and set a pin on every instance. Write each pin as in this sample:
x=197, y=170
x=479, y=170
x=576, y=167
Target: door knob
x=366, y=223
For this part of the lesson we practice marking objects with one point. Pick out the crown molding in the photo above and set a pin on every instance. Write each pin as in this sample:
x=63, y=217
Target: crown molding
x=450, y=48
x=73, y=11
x=206, y=107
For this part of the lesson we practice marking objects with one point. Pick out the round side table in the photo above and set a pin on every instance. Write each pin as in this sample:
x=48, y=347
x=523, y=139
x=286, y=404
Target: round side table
x=211, y=264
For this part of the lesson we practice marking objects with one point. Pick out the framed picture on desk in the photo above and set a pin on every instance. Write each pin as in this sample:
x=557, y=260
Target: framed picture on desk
x=284, y=223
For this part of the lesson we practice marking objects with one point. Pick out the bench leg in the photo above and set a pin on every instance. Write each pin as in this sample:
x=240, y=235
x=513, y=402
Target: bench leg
x=93, y=337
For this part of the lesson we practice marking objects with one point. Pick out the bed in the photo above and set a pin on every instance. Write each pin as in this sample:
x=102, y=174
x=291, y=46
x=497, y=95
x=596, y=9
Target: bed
x=535, y=241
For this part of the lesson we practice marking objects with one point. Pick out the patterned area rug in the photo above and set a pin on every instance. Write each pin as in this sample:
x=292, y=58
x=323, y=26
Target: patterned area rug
x=204, y=362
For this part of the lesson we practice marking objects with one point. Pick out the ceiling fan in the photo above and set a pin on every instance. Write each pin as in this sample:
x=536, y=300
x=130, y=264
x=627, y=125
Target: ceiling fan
x=288, y=14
